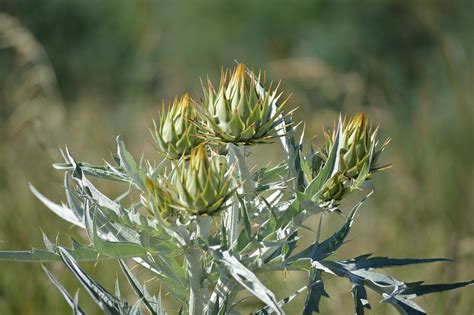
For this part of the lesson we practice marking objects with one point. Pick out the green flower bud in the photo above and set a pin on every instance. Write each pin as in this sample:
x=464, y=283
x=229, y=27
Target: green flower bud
x=176, y=134
x=358, y=147
x=334, y=190
x=202, y=185
x=160, y=198
x=235, y=113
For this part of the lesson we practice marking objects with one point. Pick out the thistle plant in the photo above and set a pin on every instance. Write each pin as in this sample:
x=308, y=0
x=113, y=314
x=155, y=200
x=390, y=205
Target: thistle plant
x=212, y=225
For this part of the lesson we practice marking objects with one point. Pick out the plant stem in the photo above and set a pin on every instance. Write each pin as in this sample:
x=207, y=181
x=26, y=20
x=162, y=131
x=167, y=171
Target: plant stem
x=193, y=262
x=197, y=292
x=232, y=216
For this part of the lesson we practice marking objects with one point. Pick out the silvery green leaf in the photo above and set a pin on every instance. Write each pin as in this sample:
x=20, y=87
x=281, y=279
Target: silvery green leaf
x=172, y=280
x=69, y=299
x=109, y=248
x=271, y=178
x=304, y=264
x=89, y=189
x=106, y=301
x=289, y=215
x=61, y=210
x=405, y=306
x=416, y=289
x=118, y=294
x=220, y=307
x=220, y=294
x=76, y=310
x=50, y=247
x=270, y=225
x=151, y=234
x=110, y=230
x=104, y=172
x=72, y=199
x=101, y=199
x=130, y=166
x=360, y=299
x=308, y=204
x=135, y=310
x=367, y=262
x=307, y=163
x=245, y=235
x=319, y=251
x=35, y=255
x=173, y=273
x=329, y=168
x=38, y=255
x=389, y=288
x=248, y=280
x=153, y=305
x=284, y=250
x=316, y=290
x=245, y=217
x=260, y=211
x=282, y=302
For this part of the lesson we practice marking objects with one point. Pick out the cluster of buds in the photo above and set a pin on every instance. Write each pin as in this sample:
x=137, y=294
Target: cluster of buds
x=358, y=151
x=176, y=133
x=235, y=113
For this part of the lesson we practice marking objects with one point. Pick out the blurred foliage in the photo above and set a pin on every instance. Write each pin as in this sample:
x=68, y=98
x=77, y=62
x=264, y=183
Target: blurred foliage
x=82, y=69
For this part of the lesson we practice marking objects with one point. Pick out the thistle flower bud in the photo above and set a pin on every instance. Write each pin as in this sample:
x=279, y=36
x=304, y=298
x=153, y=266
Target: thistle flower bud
x=176, y=134
x=202, y=185
x=160, y=197
x=358, y=147
x=334, y=191
x=235, y=113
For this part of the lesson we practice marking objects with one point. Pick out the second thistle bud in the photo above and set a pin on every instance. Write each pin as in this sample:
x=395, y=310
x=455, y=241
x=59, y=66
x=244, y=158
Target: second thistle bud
x=358, y=145
x=176, y=133
x=353, y=147
x=202, y=185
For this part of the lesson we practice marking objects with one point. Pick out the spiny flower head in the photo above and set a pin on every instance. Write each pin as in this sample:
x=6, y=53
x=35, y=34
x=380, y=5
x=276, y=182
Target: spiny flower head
x=158, y=198
x=358, y=147
x=202, y=185
x=176, y=134
x=236, y=113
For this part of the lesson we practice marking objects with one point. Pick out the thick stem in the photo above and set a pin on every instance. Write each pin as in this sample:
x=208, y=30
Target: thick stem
x=198, y=294
x=232, y=216
x=225, y=287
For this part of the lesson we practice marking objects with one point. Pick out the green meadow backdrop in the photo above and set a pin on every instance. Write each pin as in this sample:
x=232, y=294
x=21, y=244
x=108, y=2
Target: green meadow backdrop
x=80, y=72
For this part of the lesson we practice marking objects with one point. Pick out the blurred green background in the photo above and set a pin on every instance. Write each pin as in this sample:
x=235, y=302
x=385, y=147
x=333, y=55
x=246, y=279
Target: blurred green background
x=80, y=72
